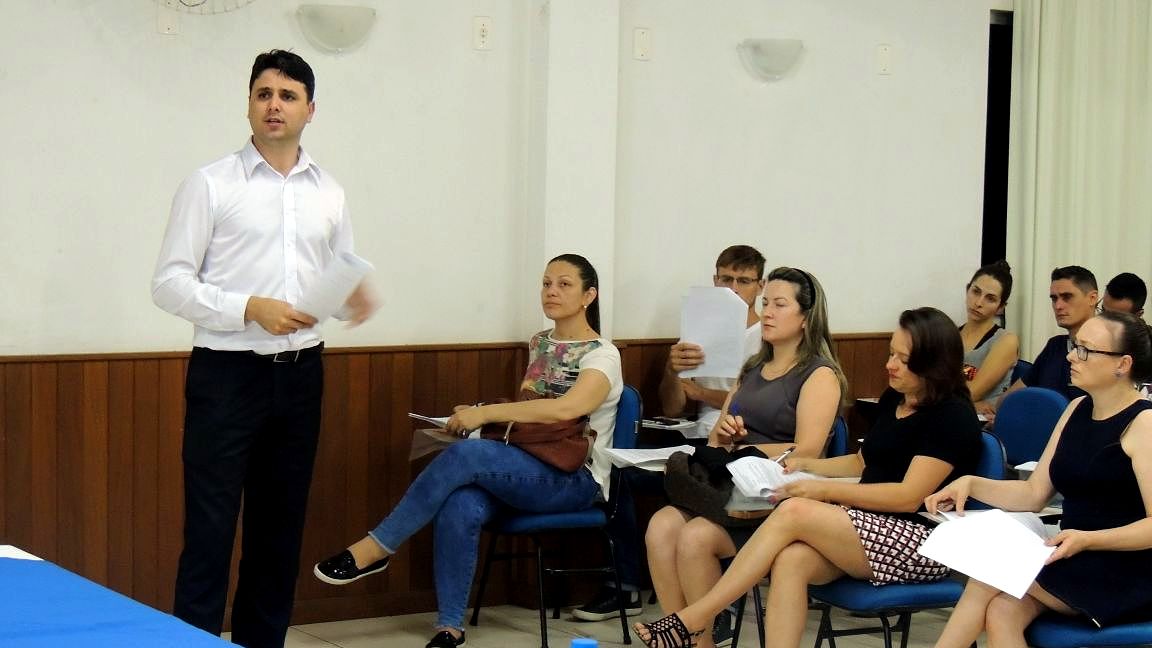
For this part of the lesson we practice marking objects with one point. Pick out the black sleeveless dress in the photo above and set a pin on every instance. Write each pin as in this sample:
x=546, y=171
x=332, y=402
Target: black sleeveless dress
x=1100, y=491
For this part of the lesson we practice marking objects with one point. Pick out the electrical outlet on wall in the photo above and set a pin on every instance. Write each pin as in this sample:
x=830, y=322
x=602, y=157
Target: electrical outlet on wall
x=481, y=33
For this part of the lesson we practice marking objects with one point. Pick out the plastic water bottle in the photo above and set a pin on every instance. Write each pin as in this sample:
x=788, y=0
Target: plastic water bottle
x=584, y=642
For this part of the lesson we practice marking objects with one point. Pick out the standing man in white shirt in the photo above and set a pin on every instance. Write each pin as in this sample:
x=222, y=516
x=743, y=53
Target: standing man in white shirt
x=247, y=236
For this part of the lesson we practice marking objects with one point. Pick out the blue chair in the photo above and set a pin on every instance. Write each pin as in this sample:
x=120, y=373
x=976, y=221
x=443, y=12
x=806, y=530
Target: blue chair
x=837, y=447
x=534, y=525
x=861, y=598
x=1021, y=368
x=1025, y=420
x=1056, y=631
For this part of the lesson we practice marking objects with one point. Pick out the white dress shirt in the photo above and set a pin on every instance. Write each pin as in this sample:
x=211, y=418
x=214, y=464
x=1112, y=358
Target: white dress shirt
x=237, y=229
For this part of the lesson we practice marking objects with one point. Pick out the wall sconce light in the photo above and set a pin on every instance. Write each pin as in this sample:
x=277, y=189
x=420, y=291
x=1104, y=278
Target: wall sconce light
x=769, y=59
x=335, y=28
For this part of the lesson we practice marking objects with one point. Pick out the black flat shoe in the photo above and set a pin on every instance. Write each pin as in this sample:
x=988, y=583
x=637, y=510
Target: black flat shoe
x=444, y=639
x=341, y=569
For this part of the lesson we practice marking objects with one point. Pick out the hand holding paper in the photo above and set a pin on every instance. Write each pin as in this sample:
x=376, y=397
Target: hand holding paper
x=335, y=286
x=715, y=319
x=991, y=546
x=756, y=477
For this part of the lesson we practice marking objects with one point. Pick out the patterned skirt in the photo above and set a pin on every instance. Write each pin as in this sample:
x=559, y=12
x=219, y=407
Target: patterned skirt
x=890, y=544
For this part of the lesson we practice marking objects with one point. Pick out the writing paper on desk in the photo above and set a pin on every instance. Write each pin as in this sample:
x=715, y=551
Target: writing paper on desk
x=716, y=319
x=646, y=458
x=334, y=286
x=757, y=477
x=10, y=551
x=991, y=546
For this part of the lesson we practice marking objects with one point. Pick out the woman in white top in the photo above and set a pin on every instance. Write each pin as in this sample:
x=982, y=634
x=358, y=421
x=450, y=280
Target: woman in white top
x=576, y=373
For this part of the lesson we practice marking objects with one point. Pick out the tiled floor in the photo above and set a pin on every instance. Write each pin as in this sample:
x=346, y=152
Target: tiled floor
x=513, y=627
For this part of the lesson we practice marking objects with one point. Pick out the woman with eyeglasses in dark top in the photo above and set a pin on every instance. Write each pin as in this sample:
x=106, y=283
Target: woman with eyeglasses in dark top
x=1100, y=459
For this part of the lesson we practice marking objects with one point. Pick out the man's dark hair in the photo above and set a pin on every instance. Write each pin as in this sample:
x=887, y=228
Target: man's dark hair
x=1082, y=277
x=739, y=257
x=1128, y=286
x=289, y=64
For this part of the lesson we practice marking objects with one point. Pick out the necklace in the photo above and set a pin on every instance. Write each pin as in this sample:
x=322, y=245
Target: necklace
x=772, y=374
x=903, y=409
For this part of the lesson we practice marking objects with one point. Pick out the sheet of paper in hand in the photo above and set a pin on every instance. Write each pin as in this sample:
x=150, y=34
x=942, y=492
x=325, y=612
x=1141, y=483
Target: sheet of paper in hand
x=758, y=477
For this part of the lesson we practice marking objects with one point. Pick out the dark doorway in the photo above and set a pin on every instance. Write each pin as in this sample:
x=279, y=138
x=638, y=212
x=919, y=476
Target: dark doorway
x=993, y=244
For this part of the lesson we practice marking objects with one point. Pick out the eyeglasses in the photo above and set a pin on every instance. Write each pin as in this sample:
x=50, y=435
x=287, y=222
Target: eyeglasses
x=726, y=280
x=1083, y=351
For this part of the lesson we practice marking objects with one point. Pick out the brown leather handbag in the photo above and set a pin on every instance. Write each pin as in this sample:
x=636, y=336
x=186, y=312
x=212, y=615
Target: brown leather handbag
x=565, y=445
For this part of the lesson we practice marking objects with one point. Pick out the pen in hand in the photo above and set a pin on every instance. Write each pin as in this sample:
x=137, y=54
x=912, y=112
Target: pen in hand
x=734, y=412
x=780, y=459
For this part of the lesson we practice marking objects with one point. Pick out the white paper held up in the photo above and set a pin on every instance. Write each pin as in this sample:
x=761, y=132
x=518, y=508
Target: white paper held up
x=991, y=546
x=717, y=320
x=334, y=286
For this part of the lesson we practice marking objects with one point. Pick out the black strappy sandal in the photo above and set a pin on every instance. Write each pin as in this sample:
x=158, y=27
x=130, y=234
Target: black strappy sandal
x=669, y=632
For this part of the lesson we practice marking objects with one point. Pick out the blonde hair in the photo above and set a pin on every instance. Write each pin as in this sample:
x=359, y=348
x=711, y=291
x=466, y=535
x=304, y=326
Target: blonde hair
x=816, y=340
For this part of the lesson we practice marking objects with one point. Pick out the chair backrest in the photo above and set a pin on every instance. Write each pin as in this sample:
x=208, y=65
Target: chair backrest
x=1021, y=368
x=991, y=463
x=628, y=414
x=1025, y=420
x=838, y=441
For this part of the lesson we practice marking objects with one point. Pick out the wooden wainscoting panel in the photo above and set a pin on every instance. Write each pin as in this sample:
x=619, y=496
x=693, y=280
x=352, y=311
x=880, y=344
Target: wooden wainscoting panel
x=44, y=480
x=4, y=488
x=122, y=480
x=92, y=477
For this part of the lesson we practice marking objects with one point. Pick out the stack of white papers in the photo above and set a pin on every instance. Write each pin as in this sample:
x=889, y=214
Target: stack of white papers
x=646, y=458
x=1004, y=550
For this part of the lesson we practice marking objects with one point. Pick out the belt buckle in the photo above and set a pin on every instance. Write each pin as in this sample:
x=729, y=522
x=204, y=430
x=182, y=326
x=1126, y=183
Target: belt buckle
x=289, y=356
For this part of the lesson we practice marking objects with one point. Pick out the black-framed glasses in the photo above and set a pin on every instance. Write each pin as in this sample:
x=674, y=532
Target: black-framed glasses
x=725, y=280
x=1083, y=351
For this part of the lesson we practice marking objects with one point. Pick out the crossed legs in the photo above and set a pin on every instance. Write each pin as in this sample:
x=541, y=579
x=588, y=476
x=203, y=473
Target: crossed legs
x=802, y=542
x=985, y=608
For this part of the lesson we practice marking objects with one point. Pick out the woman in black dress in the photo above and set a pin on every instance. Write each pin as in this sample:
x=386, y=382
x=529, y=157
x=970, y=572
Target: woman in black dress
x=1100, y=459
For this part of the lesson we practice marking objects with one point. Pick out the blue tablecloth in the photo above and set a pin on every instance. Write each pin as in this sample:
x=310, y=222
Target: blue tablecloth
x=43, y=605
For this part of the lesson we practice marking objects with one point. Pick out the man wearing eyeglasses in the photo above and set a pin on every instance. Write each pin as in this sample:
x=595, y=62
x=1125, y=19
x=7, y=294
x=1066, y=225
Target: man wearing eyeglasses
x=1125, y=293
x=1074, y=295
x=740, y=268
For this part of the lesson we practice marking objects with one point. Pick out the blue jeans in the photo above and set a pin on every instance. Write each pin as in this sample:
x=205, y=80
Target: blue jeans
x=462, y=489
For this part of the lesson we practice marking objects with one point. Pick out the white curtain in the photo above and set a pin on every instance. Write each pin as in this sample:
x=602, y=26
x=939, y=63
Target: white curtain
x=1080, y=161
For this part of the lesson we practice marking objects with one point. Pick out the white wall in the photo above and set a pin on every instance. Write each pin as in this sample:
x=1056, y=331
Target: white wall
x=872, y=183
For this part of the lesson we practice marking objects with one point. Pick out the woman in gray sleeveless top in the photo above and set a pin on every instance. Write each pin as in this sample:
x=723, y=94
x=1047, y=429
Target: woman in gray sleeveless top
x=788, y=396
x=990, y=352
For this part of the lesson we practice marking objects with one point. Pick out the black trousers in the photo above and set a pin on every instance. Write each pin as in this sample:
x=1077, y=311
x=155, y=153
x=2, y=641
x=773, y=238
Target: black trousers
x=250, y=432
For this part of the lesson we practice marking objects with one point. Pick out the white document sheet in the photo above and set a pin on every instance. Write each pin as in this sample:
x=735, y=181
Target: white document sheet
x=438, y=421
x=646, y=458
x=756, y=477
x=334, y=286
x=717, y=320
x=994, y=547
x=8, y=551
